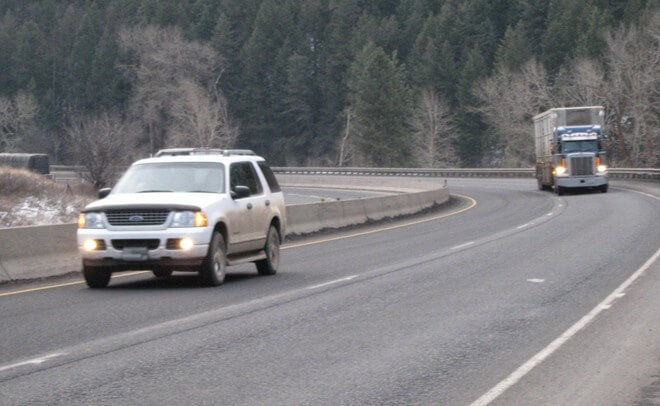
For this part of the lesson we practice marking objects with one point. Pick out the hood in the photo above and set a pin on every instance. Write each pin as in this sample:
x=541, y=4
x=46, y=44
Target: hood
x=178, y=201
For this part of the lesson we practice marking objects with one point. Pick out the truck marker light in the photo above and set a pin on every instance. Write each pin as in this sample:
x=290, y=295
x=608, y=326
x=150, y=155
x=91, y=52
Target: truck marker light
x=90, y=245
x=81, y=220
x=186, y=244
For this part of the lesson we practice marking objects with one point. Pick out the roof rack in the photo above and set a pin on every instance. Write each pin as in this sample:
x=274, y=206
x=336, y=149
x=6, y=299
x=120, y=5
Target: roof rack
x=203, y=151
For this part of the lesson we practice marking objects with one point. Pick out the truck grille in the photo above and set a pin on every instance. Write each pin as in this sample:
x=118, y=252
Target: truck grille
x=150, y=244
x=141, y=217
x=582, y=165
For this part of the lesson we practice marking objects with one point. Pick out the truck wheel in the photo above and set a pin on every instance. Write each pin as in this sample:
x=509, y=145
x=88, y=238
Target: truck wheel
x=269, y=265
x=604, y=188
x=213, y=269
x=96, y=277
x=162, y=272
x=558, y=189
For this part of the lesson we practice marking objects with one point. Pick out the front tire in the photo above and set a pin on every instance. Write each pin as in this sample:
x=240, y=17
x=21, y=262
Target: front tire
x=270, y=265
x=96, y=277
x=213, y=269
x=604, y=188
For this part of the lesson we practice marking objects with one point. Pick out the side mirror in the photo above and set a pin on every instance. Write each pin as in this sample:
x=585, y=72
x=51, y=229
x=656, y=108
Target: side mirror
x=104, y=192
x=240, y=192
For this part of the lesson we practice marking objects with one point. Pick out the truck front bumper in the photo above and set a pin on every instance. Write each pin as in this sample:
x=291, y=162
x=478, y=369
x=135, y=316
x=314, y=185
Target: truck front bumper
x=581, y=181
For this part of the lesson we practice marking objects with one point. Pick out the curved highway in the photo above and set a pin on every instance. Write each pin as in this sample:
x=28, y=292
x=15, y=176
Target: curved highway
x=507, y=295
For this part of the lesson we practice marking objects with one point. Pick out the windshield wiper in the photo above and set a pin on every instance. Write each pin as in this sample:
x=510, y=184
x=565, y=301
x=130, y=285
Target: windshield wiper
x=199, y=191
x=153, y=191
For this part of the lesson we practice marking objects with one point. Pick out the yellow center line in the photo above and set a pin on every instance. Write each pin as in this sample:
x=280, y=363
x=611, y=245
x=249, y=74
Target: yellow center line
x=379, y=230
x=406, y=224
x=60, y=285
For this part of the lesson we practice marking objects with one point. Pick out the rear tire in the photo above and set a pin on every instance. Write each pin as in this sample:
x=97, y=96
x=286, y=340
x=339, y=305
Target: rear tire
x=96, y=277
x=213, y=269
x=269, y=265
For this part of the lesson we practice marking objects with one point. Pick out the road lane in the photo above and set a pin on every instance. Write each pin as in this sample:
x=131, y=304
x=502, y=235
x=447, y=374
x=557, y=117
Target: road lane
x=417, y=321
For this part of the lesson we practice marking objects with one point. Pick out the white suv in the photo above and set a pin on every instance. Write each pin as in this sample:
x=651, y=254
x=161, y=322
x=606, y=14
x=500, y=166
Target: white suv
x=185, y=209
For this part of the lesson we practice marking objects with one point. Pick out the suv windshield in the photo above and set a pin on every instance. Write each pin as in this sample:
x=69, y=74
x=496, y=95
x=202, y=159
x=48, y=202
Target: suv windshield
x=201, y=177
x=580, y=146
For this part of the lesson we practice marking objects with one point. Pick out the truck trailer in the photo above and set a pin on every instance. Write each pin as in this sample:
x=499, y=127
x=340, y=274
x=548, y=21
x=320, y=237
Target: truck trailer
x=569, y=149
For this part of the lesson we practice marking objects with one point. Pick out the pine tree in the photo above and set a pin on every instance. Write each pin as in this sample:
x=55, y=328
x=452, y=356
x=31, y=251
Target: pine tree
x=380, y=101
x=514, y=49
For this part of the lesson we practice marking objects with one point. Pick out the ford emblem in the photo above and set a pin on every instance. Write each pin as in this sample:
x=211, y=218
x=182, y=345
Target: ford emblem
x=136, y=218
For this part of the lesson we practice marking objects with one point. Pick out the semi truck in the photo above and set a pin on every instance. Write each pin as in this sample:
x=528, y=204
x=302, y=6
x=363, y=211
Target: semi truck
x=569, y=149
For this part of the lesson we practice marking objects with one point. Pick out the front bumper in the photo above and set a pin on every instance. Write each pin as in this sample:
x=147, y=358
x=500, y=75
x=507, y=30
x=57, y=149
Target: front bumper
x=137, y=257
x=581, y=181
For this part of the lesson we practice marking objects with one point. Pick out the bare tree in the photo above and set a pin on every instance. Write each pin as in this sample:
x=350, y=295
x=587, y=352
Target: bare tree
x=509, y=100
x=345, y=148
x=200, y=118
x=633, y=60
x=16, y=120
x=100, y=143
x=585, y=85
x=434, y=132
x=166, y=63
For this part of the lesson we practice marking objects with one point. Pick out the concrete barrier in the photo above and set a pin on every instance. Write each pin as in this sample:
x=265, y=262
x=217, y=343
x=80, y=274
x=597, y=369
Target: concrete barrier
x=42, y=251
x=36, y=252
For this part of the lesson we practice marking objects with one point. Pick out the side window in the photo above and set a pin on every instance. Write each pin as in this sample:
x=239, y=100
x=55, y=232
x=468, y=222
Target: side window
x=243, y=174
x=270, y=177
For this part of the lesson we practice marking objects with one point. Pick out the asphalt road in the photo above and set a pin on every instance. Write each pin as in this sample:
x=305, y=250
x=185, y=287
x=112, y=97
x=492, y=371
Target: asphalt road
x=441, y=311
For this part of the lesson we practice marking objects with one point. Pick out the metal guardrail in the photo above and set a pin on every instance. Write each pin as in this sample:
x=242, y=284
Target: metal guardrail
x=614, y=173
x=64, y=173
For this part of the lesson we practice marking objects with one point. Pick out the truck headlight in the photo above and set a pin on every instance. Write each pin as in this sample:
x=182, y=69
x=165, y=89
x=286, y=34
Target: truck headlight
x=189, y=219
x=90, y=220
x=560, y=170
x=601, y=168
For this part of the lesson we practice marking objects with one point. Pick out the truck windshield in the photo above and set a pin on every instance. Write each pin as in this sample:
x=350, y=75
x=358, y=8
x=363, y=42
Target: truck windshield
x=200, y=177
x=580, y=146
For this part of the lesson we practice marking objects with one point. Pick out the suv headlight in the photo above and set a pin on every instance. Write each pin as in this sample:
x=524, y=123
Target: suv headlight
x=90, y=220
x=189, y=219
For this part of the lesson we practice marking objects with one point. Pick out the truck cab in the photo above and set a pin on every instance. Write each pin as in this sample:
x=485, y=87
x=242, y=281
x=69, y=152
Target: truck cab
x=569, y=149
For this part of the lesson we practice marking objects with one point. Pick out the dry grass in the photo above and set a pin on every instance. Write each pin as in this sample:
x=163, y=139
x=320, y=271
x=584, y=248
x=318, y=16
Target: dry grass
x=30, y=199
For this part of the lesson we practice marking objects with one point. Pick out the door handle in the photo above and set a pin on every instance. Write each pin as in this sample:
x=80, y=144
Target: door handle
x=267, y=202
x=249, y=206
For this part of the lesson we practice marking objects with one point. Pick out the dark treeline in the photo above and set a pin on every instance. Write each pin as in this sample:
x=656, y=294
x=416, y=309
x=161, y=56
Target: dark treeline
x=313, y=82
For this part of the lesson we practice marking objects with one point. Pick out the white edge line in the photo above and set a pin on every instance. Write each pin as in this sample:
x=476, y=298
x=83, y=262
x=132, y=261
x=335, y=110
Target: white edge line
x=523, y=226
x=467, y=244
x=34, y=361
x=348, y=278
x=516, y=375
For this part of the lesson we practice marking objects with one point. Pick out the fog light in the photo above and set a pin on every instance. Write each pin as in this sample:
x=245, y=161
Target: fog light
x=186, y=244
x=90, y=245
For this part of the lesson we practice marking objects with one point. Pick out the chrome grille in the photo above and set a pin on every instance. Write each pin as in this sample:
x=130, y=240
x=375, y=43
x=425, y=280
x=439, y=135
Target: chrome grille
x=582, y=165
x=138, y=217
